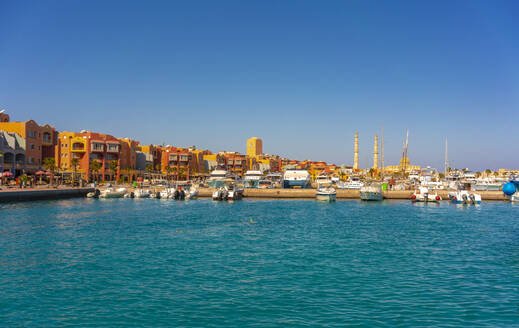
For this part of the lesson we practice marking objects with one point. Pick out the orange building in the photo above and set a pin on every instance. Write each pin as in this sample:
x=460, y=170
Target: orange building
x=235, y=163
x=128, y=162
x=178, y=160
x=89, y=146
x=40, y=141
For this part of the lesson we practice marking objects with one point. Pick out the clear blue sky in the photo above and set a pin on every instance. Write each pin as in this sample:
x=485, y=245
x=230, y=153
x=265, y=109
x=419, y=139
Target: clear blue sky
x=302, y=75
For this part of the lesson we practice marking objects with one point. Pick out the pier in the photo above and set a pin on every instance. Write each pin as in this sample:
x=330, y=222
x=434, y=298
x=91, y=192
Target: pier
x=342, y=194
x=16, y=195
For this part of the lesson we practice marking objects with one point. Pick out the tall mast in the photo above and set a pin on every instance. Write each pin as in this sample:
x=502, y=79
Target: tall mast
x=446, y=156
x=382, y=149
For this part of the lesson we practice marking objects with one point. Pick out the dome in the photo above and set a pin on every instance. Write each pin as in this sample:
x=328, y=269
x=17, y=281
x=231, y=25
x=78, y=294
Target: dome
x=509, y=189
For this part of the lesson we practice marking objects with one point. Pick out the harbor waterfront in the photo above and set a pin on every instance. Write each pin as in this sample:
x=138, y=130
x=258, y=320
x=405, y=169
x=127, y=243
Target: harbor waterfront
x=153, y=262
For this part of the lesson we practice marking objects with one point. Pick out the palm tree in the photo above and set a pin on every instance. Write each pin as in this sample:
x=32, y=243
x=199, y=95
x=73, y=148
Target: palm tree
x=50, y=164
x=487, y=171
x=168, y=169
x=95, y=166
x=128, y=170
x=74, y=163
x=181, y=171
x=113, y=168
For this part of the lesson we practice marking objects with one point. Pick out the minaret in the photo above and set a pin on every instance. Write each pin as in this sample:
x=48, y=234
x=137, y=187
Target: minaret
x=356, y=152
x=375, y=153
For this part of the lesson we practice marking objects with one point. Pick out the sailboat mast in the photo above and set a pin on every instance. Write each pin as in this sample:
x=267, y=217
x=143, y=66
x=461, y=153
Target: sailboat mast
x=446, y=156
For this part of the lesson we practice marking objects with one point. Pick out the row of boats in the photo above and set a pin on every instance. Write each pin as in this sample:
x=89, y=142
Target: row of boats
x=374, y=192
x=178, y=193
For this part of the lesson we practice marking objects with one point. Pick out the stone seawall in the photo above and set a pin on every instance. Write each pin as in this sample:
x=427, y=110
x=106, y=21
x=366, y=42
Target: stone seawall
x=39, y=194
x=341, y=194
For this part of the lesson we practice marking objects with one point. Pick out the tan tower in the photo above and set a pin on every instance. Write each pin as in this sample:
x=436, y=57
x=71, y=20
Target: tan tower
x=356, y=152
x=375, y=153
x=254, y=147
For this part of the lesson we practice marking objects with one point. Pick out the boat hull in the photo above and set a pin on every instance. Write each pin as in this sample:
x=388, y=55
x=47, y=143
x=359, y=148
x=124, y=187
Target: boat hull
x=326, y=197
x=371, y=195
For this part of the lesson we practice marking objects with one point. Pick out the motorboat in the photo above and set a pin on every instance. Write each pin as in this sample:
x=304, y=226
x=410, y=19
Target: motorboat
x=353, y=183
x=265, y=184
x=464, y=197
x=424, y=195
x=113, y=193
x=372, y=191
x=167, y=193
x=228, y=192
x=93, y=194
x=326, y=194
x=191, y=192
x=141, y=193
x=323, y=180
x=296, y=178
x=252, y=178
x=217, y=178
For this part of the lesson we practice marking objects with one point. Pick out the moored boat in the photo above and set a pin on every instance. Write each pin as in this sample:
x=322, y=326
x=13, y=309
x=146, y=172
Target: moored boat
x=371, y=192
x=296, y=178
x=326, y=194
x=424, y=195
x=464, y=197
x=113, y=193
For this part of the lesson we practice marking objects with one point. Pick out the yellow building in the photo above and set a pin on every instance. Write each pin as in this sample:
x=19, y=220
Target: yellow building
x=254, y=147
x=404, y=165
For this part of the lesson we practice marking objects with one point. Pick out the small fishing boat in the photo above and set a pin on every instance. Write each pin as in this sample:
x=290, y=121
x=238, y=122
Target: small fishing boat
x=191, y=192
x=167, y=193
x=326, y=194
x=113, y=193
x=423, y=195
x=93, y=194
x=464, y=197
x=372, y=191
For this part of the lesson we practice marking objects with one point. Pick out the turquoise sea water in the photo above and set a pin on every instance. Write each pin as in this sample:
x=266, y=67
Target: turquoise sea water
x=296, y=263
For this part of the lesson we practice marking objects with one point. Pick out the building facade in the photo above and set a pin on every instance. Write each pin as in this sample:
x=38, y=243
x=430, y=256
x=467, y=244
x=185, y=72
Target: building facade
x=40, y=142
x=89, y=147
x=12, y=153
x=254, y=147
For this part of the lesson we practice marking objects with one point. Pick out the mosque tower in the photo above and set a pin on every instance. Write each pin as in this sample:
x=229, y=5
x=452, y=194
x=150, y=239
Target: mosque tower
x=356, y=152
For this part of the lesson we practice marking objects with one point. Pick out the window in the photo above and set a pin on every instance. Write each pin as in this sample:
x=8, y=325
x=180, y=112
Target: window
x=97, y=146
x=32, y=146
x=32, y=134
x=31, y=160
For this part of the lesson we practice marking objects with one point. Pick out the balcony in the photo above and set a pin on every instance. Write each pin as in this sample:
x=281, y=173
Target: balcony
x=112, y=147
x=47, y=139
x=97, y=147
x=78, y=147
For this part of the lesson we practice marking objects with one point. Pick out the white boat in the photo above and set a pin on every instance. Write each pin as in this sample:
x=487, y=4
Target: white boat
x=296, y=178
x=371, y=192
x=252, y=178
x=326, y=194
x=464, y=197
x=191, y=192
x=167, y=193
x=228, y=192
x=217, y=178
x=424, y=195
x=113, y=193
x=141, y=193
x=353, y=183
x=323, y=180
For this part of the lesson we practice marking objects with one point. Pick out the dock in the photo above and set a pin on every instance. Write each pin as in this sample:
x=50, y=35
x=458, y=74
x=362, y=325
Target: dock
x=342, y=194
x=18, y=195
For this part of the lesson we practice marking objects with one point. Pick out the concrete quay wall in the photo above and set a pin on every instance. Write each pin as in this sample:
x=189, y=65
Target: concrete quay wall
x=39, y=194
x=341, y=194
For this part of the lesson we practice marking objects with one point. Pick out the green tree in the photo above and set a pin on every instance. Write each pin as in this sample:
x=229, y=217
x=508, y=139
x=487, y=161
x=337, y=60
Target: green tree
x=181, y=172
x=113, y=168
x=488, y=171
x=74, y=163
x=168, y=169
x=95, y=167
x=50, y=164
x=128, y=170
